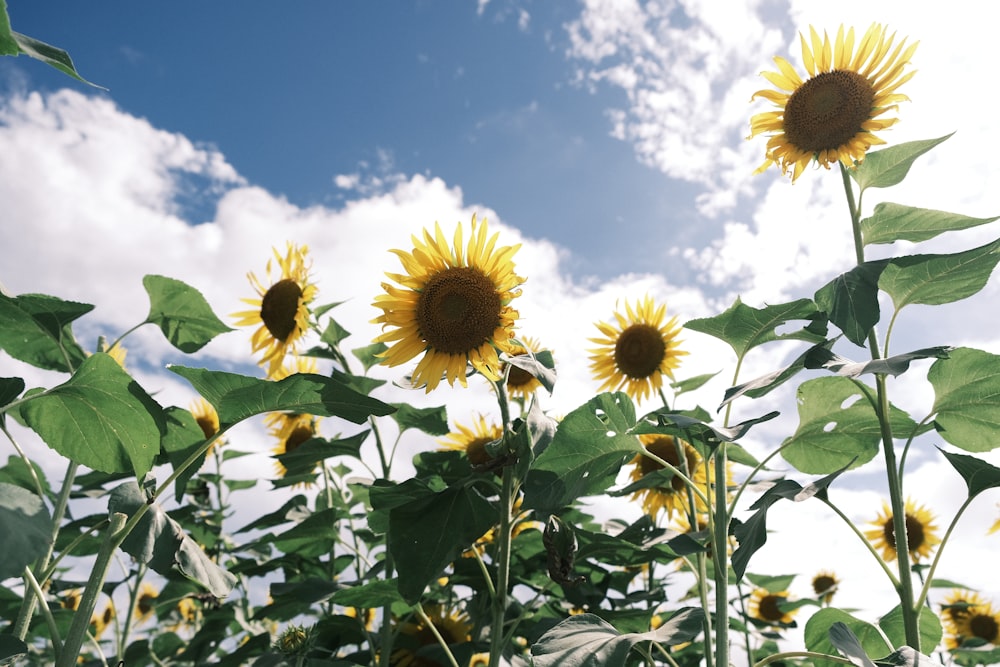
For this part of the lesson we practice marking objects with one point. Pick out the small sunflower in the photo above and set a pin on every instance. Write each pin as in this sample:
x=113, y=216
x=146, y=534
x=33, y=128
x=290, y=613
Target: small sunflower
x=637, y=353
x=765, y=606
x=957, y=606
x=282, y=309
x=473, y=440
x=188, y=613
x=521, y=383
x=673, y=497
x=291, y=430
x=71, y=599
x=452, y=306
x=365, y=616
x=824, y=585
x=921, y=533
x=832, y=115
x=145, y=603
x=208, y=419
x=100, y=622
x=454, y=628
x=969, y=619
x=298, y=365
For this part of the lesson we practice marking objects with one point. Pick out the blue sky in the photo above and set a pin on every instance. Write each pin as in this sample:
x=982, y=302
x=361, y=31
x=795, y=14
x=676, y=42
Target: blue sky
x=605, y=136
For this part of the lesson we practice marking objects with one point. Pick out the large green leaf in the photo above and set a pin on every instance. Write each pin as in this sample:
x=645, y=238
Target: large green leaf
x=36, y=329
x=978, y=474
x=928, y=623
x=237, y=397
x=182, y=313
x=587, y=640
x=817, y=634
x=100, y=418
x=967, y=399
x=744, y=327
x=889, y=166
x=432, y=420
x=831, y=436
x=183, y=437
x=851, y=300
x=895, y=222
x=8, y=47
x=937, y=279
x=26, y=528
x=764, y=384
x=819, y=357
x=10, y=389
x=313, y=536
x=588, y=449
x=159, y=541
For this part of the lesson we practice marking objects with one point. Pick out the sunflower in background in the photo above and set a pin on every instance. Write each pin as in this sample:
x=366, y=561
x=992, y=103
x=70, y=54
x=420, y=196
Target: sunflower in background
x=521, y=383
x=100, y=622
x=417, y=645
x=299, y=364
x=921, y=532
x=672, y=498
x=969, y=619
x=473, y=440
x=145, y=603
x=452, y=305
x=208, y=419
x=766, y=606
x=281, y=312
x=824, y=585
x=833, y=114
x=639, y=351
x=71, y=599
x=291, y=430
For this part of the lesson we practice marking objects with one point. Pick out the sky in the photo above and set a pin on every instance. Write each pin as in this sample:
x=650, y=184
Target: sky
x=608, y=137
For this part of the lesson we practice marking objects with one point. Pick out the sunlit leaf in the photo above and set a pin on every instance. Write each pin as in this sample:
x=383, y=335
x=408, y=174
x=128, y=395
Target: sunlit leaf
x=696, y=431
x=889, y=166
x=744, y=327
x=692, y=383
x=182, y=313
x=37, y=330
x=978, y=474
x=764, y=384
x=895, y=365
x=8, y=47
x=821, y=637
x=432, y=420
x=100, y=418
x=181, y=440
x=937, y=279
x=929, y=626
x=907, y=657
x=50, y=55
x=895, y=222
x=370, y=354
x=237, y=397
x=540, y=365
x=967, y=399
x=26, y=528
x=851, y=300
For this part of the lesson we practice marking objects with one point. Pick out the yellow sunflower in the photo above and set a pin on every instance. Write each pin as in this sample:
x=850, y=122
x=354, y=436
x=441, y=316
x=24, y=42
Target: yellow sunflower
x=100, y=622
x=282, y=309
x=473, y=440
x=145, y=603
x=291, y=430
x=71, y=599
x=415, y=635
x=365, y=616
x=921, y=533
x=208, y=419
x=521, y=383
x=673, y=497
x=639, y=351
x=833, y=114
x=824, y=585
x=452, y=305
x=968, y=618
x=765, y=606
x=298, y=365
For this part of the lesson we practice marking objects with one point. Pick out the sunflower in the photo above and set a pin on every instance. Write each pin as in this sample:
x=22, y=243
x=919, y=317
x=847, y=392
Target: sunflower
x=145, y=603
x=766, y=605
x=921, y=533
x=521, y=383
x=208, y=419
x=673, y=497
x=365, y=616
x=100, y=622
x=298, y=365
x=473, y=440
x=292, y=430
x=71, y=599
x=452, y=305
x=834, y=113
x=969, y=619
x=637, y=353
x=282, y=311
x=416, y=635
x=824, y=585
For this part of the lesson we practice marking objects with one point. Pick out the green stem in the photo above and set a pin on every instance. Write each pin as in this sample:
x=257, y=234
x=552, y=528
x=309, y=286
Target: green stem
x=49, y=619
x=937, y=556
x=437, y=635
x=777, y=657
x=720, y=554
x=507, y=493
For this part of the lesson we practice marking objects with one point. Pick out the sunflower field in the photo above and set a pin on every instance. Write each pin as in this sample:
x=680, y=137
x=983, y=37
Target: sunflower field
x=499, y=546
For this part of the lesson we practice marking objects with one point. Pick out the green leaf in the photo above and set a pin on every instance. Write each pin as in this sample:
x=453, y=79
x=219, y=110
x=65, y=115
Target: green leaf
x=334, y=333
x=837, y=427
x=26, y=526
x=978, y=474
x=907, y=657
x=894, y=365
x=183, y=437
x=238, y=397
x=818, y=628
x=696, y=431
x=311, y=537
x=744, y=328
x=889, y=166
x=17, y=472
x=937, y=279
x=160, y=541
x=8, y=47
x=895, y=222
x=10, y=648
x=692, y=383
x=587, y=640
x=967, y=399
x=182, y=313
x=851, y=300
x=588, y=449
x=373, y=594
x=928, y=623
x=540, y=365
x=432, y=421
x=10, y=389
x=369, y=355
x=766, y=383
x=303, y=459
x=36, y=329
x=49, y=55
x=100, y=418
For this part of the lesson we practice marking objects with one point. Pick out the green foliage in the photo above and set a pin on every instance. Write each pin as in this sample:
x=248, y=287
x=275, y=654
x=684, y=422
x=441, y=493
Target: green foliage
x=14, y=43
x=893, y=627
x=895, y=222
x=817, y=634
x=937, y=279
x=744, y=327
x=889, y=166
x=182, y=313
x=37, y=330
x=967, y=399
x=851, y=300
x=26, y=526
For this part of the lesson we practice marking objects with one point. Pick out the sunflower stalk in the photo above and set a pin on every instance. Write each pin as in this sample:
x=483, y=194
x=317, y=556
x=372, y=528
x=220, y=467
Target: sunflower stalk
x=506, y=502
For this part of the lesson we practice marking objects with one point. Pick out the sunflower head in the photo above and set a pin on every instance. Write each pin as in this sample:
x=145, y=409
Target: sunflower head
x=415, y=635
x=637, y=350
x=208, y=419
x=521, y=383
x=291, y=430
x=921, y=532
x=473, y=440
x=145, y=603
x=452, y=305
x=100, y=622
x=281, y=311
x=832, y=114
x=969, y=620
x=673, y=496
x=766, y=606
x=824, y=585
x=71, y=599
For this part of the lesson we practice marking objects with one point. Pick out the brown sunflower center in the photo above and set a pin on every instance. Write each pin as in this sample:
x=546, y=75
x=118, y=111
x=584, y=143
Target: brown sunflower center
x=297, y=437
x=770, y=609
x=458, y=310
x=826, y=111
x=518, y=377
x=207, y=426
x=279, y=307
x=822, y=584
x=984, y=627
x=476, y=451
x=914, y=533
x=639, y=351
x=145, y=603
x=665, y=448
